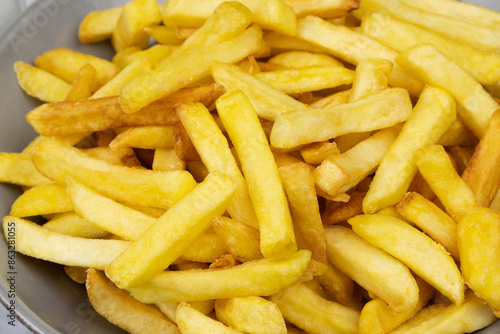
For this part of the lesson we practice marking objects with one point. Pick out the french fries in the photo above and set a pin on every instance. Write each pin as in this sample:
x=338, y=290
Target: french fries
x=277, y=166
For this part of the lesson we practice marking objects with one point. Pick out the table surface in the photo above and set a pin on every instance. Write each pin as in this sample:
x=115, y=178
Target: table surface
x=9, y=13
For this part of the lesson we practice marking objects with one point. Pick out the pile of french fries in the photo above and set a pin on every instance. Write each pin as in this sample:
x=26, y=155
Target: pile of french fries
x=271, y=166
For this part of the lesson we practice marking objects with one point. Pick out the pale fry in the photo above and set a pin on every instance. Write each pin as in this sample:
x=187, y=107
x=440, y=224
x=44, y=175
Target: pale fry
x=41, y=200
x=240, y=239
x=192, y=321
x=71, y=224
x=298, y=59
x=97, y=26
x=17, y=168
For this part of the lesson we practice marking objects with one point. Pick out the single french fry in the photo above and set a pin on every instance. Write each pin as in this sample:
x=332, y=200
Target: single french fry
x=41, y=84
x=316, y=153
x=123, y=156
x=213, y=148
x=166, y=159
x=298, y=59
x=418, y=251
x=437, y=169
x=479, y=246
x=148, y=137
x=253, y=278
x=432, y=67
x=152, y=55
x=123, y=310
x=42, y=200
x=326, y=9
x=309, y=311
x=371, y=76
x=250, y=315
x=33, y=240
x=277, y=239
x=83, y=84
x=77, y=274
x=338, y=284
x=431, y=219
x=166, y=35
x=240, y=239
x=17, y=168
x=190, y=320
x=458, y=134
x=98, y=25
x=431, y=117
x=338, y=212
x=298, y=182
x=390, y=280
x=300, y=127
x=71, y=224
x=183, y=146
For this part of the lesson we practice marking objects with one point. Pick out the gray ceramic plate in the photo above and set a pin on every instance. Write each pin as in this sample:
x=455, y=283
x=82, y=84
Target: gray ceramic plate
x=46, y=300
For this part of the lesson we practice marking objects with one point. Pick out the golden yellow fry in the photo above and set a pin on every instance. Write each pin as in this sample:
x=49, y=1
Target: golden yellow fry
x=431, y=117
x=416, y=250
x=338, y=212
x=298, y=59
x=337, y=283
x=153, y=55
x=277, y=239
x=180, y=71
x=83, y=84
x=166, y=35
x=316, y=153
x=207, y=248
x=148, y=137
x=172, y=233
x=432, y=67
x=77, y=274
x=279, y=43
x=240, y=239
x=389, y=279
x=253, y=278
x=60, y=162
x=191, y=321
x=298, y=182
x=309, y=311
x=431, y=220
x=166, y=159
x=98, y=25
x=326, y=9
x=71, y=224
x=458, y=134
x=123, y=310
x=17, y=168
x=437, y=169
x=123, y=156
x=42, y=200
x=300, y=127
x=213, y=148
x=33, y=240
x=352, y=46
x=479, y=246
x=250, y=315
x=372, y=76
x=41, y=84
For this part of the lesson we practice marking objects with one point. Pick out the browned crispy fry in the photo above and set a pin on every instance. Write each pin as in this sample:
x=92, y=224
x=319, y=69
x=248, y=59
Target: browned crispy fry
x=338, y=212
x=83, y=83
x=183, y=145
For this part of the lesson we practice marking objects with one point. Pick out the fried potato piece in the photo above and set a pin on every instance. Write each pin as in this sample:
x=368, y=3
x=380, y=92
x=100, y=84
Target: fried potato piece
x=389, y=280
x=66, y=63
x=193, y=321
x=182, y=144
x=71, y=224
x=434, y=68
x=280, y=43
x=316, y=153
x=122, y=156
x=326, y=9
x=300, y=127
x=431, y=117
x=166, y=159
x=307, y=310
x=250, y=315
x=479, y=246
x=41, y=84
x=56, y=119
x=98, y=25
x=253, y=278
x=77, y=274
x=17, y=168
x=152, y=55
x=458, y=134
x=166, y=35
x=42, y=200
x=298, y=59
x=337, y=212
x=121, y=309
x=277, y=239
x=240, y=240
x=147, y=137
x=338, y=284
x=418, y=251
x=42, y=243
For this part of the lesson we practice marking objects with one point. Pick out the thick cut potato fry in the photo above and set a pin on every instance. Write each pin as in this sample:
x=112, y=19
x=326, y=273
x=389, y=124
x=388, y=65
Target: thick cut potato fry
x=279, y=43
x=135, y=15
x=300, y=127
x=123, y=156
x=166, y=159
x=153, y=55
x=41, y=84
x=298, y=182
x=277, y=239
x=371, y=77
x=472, y=315
x=401, y=36
x=213, y=147
x=338, y=284
x=458, y=134
x=180, y=71
x=253, y=278
x=121, y=309
x=172, y=233
x=351, y=46
x=372, y=268
x=419, y=252
x=339, y=173
x=83, y=84
x=273, y=15
x=436, y=168
x=56, y=119
x=482, y=173
x=307, y=310
x=66, y=63
x=42, y=200
x=378, y=318
x=326, y=9
x=250, y=315
x=33, y=240
x=240, y=240
x=148, y=137
x=17, y=168
x=434, y=68
x=166, y=35
x=298, y=59
x=306, y=79
x=192, y=321
x=131, y=185
x=431, y=220
x=207, y=248
x=479, y=246
x=71, y=224
x=316, y=153
x=431, y=117
x=98, y=25
x=267, y=101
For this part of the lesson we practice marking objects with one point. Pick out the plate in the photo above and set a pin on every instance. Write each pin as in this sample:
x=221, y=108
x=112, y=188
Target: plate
x=46, y=300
